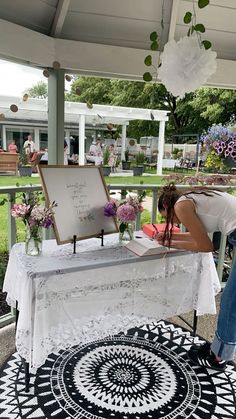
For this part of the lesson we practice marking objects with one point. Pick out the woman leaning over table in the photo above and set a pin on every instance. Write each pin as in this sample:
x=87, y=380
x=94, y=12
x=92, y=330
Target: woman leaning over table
x=202, y=211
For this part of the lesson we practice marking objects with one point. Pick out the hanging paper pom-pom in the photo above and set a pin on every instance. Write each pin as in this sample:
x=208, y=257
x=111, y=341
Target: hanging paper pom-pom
x=78, y=91
x=56, y=65
x=46, y=73
x=185, y=66
x=14, y=108
x=25, y=97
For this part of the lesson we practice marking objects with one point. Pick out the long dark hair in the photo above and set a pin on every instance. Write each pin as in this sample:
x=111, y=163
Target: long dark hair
x=168, y=198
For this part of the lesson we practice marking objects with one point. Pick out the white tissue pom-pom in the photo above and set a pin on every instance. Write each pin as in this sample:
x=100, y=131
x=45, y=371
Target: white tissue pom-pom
x=185, y=66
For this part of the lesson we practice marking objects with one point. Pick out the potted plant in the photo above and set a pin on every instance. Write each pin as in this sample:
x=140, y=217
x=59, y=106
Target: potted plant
x=219, y=142
x=139, y=161
x=106, y=170
x=25, y=169
x=126, y=162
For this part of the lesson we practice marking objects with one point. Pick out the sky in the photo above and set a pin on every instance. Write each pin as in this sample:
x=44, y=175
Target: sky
x=16, y=78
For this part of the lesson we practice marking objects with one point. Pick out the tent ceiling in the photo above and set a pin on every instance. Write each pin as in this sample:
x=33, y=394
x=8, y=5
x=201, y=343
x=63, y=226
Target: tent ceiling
x=110, y=37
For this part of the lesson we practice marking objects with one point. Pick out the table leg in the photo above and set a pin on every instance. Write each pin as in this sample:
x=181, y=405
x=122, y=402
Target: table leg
x=27, y=375
x=16, y=315
x=194, y=325
x=26, y=364
x=194, y=322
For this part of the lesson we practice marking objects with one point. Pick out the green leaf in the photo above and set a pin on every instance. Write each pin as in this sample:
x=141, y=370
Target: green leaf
x=2, y=201
x=122, y=227
x=203, y=3
x=206, y=44
x=187, y=17
x=153, y=36
x=89, y=105
x=200, y=27
x=147, y=77
x=148, y=60
x=154, y=46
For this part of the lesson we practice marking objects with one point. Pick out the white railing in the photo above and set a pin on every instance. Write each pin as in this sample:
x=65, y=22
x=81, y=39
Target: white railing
x=11, y=192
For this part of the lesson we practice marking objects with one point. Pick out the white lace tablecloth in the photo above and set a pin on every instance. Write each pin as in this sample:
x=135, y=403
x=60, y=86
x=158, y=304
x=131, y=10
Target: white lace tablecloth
x=66, y=299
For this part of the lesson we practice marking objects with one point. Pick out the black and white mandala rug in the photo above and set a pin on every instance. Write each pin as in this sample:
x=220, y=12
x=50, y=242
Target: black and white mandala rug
x=143, y=374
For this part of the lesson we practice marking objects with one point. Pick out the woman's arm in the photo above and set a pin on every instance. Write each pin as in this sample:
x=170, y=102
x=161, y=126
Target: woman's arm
x=186, y=214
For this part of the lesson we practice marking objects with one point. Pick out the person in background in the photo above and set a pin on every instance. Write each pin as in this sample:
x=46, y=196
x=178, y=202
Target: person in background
x=92, y=148
x=112, y=158
x=98, y=153
x=44, y=157
x=65, y=152
x=29, y=145
x=202, y=211
x=75, y=149
x=12, y=148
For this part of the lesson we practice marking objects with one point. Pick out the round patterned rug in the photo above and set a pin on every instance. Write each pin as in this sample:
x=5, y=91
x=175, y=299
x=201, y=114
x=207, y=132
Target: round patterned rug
x=142, y=374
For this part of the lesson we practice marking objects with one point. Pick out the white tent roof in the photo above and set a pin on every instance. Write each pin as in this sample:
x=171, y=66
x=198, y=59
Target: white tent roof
x=110, y=38
x=36, y=110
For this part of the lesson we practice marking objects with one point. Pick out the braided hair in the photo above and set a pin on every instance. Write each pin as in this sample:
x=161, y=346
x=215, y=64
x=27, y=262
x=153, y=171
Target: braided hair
x=167, y=200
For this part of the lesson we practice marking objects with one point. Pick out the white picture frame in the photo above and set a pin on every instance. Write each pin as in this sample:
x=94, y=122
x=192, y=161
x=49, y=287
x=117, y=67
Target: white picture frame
x=80, y=193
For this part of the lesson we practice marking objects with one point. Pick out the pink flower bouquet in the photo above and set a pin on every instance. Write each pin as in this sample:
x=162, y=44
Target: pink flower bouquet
x=125, y=211
x=34, y=217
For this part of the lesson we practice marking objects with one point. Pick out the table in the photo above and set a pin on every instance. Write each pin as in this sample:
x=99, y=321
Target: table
x=65, y=299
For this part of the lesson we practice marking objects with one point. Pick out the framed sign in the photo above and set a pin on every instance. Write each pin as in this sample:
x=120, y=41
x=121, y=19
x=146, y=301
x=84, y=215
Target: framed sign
x=80, y=193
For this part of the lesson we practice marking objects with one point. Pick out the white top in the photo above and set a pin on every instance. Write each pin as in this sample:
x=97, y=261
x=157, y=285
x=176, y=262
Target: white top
x=216, y=212
x=66, y=299
x=29, y=145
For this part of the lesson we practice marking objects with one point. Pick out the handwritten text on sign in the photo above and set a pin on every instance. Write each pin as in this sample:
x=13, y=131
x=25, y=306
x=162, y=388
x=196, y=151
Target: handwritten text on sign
x=81, y=200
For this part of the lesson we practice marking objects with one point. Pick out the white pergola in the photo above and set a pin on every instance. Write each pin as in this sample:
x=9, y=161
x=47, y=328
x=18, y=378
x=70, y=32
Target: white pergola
x=36, y=110
x=106, y=38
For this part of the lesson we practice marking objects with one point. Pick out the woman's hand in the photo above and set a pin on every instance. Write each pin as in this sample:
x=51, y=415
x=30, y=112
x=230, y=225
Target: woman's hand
x=158, y=236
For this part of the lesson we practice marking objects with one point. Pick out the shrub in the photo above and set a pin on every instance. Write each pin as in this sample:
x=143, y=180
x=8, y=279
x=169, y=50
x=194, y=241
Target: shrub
x=106, y=156
x=139, y=158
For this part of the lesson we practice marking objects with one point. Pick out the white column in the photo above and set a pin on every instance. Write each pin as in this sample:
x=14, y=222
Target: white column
x=4, y=138
x=56, y=117
x=81, y=139
x=36, y=138
x=161, y=142
x=123, y=142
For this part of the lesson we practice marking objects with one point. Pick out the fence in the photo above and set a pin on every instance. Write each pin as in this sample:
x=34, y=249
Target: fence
x=11, y=193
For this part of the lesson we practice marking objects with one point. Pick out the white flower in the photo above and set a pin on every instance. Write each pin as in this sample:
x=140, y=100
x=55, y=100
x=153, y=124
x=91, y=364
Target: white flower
x=185, y=66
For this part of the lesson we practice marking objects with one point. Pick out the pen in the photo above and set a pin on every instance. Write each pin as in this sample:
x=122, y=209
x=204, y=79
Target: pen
x=155, y=228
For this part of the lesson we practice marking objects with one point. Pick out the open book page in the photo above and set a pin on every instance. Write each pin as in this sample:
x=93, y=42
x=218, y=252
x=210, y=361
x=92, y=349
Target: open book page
x=142, y=245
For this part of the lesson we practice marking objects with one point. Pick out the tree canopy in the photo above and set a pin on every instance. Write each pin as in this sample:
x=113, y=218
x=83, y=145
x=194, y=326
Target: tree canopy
x=38, y=90
x=191, y=115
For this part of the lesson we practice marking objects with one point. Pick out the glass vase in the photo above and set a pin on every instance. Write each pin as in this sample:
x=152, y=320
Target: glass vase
x=34, y=240
x=126, y=231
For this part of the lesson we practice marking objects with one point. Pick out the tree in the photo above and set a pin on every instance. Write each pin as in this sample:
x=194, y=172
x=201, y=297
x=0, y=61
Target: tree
x=90, y=90
x=38, y=90
x=216, y=105
x=192, y=114
x=138, y=95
